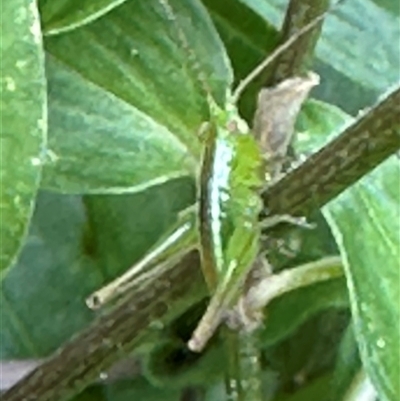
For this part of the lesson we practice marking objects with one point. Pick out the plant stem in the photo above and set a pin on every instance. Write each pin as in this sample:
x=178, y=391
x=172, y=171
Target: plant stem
x=279, y=51
x=81, y=361
x=296, y=60
x=291, y=279
x=356, y=151
x=244, y=380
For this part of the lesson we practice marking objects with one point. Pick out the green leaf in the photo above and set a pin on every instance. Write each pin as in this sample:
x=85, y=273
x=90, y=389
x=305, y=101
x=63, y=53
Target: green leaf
x=315, y=390
x=140, y=389
x=64, y=15
x=308, y=353
x=124, y=227
x=171, y=365
x=23, y=121
x=366, y=225
x=287, y=313
x=92, y=393
x=124, y=56
x=99, y=143
x=42, y=297
x=318, y=123
x=347, y=365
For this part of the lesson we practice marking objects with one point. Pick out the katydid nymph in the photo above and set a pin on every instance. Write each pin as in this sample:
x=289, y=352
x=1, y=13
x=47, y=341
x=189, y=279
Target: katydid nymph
x=224, y=225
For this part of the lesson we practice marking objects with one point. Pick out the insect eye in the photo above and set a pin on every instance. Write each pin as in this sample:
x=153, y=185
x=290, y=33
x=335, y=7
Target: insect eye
x=232, y=126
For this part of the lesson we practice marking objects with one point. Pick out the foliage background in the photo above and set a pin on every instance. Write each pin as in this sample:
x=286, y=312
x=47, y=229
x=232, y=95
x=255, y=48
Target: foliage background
x=98, y=121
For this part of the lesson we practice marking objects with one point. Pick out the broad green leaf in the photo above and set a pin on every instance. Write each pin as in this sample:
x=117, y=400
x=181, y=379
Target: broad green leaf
x=124, y=55
x=287, y=313
x=23, y=121
x=365, y=222
x=374, y=202
x=308, y=353
x=42, y=297
x=318, y=123
x=64, y=15
x=389, y=5
x=99, y=143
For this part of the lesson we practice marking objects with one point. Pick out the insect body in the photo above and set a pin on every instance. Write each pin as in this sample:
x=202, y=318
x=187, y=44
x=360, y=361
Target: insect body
x=229, y=206
x=224, y=224
x=227, y=232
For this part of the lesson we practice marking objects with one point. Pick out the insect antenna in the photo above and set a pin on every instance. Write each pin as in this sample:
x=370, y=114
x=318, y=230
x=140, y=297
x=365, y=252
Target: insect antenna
x=280, y=50
x=184, y=42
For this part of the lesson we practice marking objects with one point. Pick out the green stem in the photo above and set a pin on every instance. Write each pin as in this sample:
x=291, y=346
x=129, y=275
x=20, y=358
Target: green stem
x=243, y=380
x=291, y=279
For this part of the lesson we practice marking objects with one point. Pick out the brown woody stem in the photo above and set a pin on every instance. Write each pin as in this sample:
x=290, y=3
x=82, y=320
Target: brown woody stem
x=296, y=60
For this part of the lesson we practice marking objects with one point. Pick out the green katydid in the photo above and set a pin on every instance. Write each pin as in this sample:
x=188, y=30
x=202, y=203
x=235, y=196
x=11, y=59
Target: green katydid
x=224, y=224
x=234, y=170
x=229, y=140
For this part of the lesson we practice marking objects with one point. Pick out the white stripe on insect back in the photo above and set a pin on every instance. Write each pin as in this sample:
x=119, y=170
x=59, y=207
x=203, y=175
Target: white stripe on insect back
x=219, y=194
